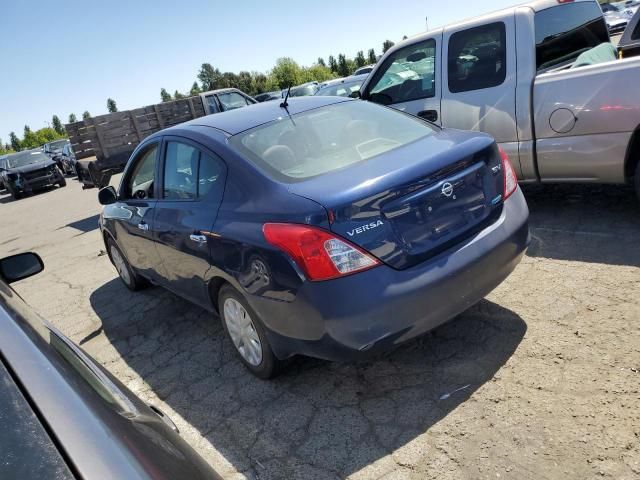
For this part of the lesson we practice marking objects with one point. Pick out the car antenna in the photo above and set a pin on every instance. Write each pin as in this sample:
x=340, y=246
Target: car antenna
x=284, y=103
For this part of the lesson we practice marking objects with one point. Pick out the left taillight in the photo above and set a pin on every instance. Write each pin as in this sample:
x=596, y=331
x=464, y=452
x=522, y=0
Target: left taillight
x=510, y=177
x=319, y=253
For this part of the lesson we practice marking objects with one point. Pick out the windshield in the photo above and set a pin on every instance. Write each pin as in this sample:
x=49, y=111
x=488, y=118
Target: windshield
x=53, y=146
x=329, y=138
x=304, y=91
x=341, y=90
x=25, y=158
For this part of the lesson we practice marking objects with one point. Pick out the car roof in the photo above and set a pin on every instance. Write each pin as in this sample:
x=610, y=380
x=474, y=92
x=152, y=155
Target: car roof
x=235, y=121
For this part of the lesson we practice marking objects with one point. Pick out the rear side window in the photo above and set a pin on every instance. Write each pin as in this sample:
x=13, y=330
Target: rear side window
x=189, y=173
x=477, y=58
x=232, y=100
x=565, y=31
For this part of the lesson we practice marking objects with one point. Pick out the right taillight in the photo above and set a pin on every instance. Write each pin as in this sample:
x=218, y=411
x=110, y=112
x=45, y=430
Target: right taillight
x=510, y=177
x=319, y=253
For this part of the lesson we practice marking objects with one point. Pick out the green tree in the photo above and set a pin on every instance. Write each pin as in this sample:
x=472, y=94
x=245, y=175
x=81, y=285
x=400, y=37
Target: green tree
x=316, y=73
x=259, y=83
x=343, y=66
x=209, y=77
x=386, y=45
x=111, y=105
x=287, y=73
x=164, y=95
x=177, y=95
x=57, y=125
x=72, y=118
x=321, y=62
x=360, y=60
x=371, y=56
x=195, y=89
x=229, y=80
x=86, y=115
x=244, y=82
x=333, y=65
x=15, y=141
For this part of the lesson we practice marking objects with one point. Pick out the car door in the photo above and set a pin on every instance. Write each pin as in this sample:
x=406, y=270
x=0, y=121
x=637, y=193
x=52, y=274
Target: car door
x=191, y=191
x=132, y=215
x=409, y=80
x=479, y=81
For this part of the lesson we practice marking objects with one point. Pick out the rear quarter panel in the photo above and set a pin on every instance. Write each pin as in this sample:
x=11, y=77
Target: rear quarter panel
x=605, y=103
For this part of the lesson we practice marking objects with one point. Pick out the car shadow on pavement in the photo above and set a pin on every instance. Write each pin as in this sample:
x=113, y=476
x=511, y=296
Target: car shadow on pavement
x=318, y=419
x=585, y=223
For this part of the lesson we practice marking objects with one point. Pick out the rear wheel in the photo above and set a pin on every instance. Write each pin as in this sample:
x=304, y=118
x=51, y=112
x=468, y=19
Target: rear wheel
x=637, y=180
x=129, y=277
x=247, y=334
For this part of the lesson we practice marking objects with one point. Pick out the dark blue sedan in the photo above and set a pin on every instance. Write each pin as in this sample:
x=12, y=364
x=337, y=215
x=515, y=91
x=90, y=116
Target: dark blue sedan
x=327, y=227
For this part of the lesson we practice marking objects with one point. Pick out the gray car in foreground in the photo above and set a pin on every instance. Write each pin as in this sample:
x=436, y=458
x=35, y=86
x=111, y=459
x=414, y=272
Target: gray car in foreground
x=63, y=416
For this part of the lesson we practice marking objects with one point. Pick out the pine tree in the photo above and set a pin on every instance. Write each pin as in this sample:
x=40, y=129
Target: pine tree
x=111, y=105
x=195, y=89
x=72, y=118
x=177, y=95
x=360, y=60
x=57, y=125
x=371, y=57
x=15, y=141
x=86, y=115
x=164, y=95
x=321, y=62
x=387, y=45
x=333, y=65
x=343, y=66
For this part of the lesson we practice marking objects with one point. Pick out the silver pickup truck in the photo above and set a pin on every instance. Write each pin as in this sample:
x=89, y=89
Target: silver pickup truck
x=542, y=78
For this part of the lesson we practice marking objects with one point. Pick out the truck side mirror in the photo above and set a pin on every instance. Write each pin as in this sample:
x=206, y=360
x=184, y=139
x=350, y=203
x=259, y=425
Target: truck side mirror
x=18, y=267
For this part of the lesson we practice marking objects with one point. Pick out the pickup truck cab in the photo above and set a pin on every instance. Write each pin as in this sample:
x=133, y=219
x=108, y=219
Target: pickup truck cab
x=542, y=78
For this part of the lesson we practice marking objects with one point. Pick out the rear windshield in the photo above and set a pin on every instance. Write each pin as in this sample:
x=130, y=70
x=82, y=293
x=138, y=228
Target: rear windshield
x=326, y=139
x=565, y=31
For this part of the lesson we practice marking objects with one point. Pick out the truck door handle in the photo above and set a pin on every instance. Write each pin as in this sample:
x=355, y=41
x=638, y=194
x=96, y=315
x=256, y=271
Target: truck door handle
x=143, y=226
x=198, y=238
x=429, y=115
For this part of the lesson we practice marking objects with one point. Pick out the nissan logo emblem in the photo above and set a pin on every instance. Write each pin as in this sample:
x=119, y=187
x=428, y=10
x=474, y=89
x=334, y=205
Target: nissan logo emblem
x=447, y=189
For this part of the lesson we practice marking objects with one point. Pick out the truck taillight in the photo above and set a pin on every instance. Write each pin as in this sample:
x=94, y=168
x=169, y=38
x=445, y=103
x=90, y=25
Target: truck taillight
x=510, y=177
x=319, y=253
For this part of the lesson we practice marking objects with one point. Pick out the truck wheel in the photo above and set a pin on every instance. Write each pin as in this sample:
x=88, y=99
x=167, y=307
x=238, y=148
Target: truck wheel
x=247, y=334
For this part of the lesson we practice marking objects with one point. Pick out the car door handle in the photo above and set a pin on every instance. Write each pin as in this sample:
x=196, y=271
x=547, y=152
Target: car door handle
x=430, y=115
x=198, y=238
x=143, y=226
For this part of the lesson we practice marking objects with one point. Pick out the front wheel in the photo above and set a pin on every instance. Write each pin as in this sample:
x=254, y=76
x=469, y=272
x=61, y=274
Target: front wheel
x=247, y=334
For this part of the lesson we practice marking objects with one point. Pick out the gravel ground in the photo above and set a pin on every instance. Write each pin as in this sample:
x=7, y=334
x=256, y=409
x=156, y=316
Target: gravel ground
x=540, y=380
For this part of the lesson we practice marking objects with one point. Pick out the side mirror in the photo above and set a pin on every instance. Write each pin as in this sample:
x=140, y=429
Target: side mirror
x=107, y=195
x=18, y=267
x=355, y=94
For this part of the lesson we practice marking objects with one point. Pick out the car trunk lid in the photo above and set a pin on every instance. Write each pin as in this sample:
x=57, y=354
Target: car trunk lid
x=442, y=189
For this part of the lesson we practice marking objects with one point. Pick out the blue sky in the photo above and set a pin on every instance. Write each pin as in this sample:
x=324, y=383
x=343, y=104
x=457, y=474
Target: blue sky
x=66, y=56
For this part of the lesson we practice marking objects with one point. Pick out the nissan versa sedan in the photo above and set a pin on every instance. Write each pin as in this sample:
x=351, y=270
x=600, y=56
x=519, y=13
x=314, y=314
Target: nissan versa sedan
x=321, y=226
x=63, y=416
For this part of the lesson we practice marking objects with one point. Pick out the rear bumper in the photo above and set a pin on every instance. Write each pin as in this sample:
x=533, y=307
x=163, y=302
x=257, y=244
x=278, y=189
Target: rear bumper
x=360, y=314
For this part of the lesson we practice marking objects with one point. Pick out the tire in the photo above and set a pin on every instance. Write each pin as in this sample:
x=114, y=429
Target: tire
x=129, y=277
x=63, y=181
x=264, y=364
x=636, y=181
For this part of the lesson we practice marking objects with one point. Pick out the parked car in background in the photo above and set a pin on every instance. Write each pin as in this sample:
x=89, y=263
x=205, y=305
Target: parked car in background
x=64, y=158
x=268, y=96
x=28, y=171
x=65, y=417
x=564, y=112
x=629, y=44
x=342, y=87
x=304, y=90
x=364, y=70
x=221, y=100
x=331, y=227
x=54, y=150
x=616, y=21
x=3, y=167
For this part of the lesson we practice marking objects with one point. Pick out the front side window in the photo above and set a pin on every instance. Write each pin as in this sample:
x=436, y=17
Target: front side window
x=565, y=31
x=232, y=100
x=140, y=182
x=326, y=139
x=477, y=58
x=408, y=74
